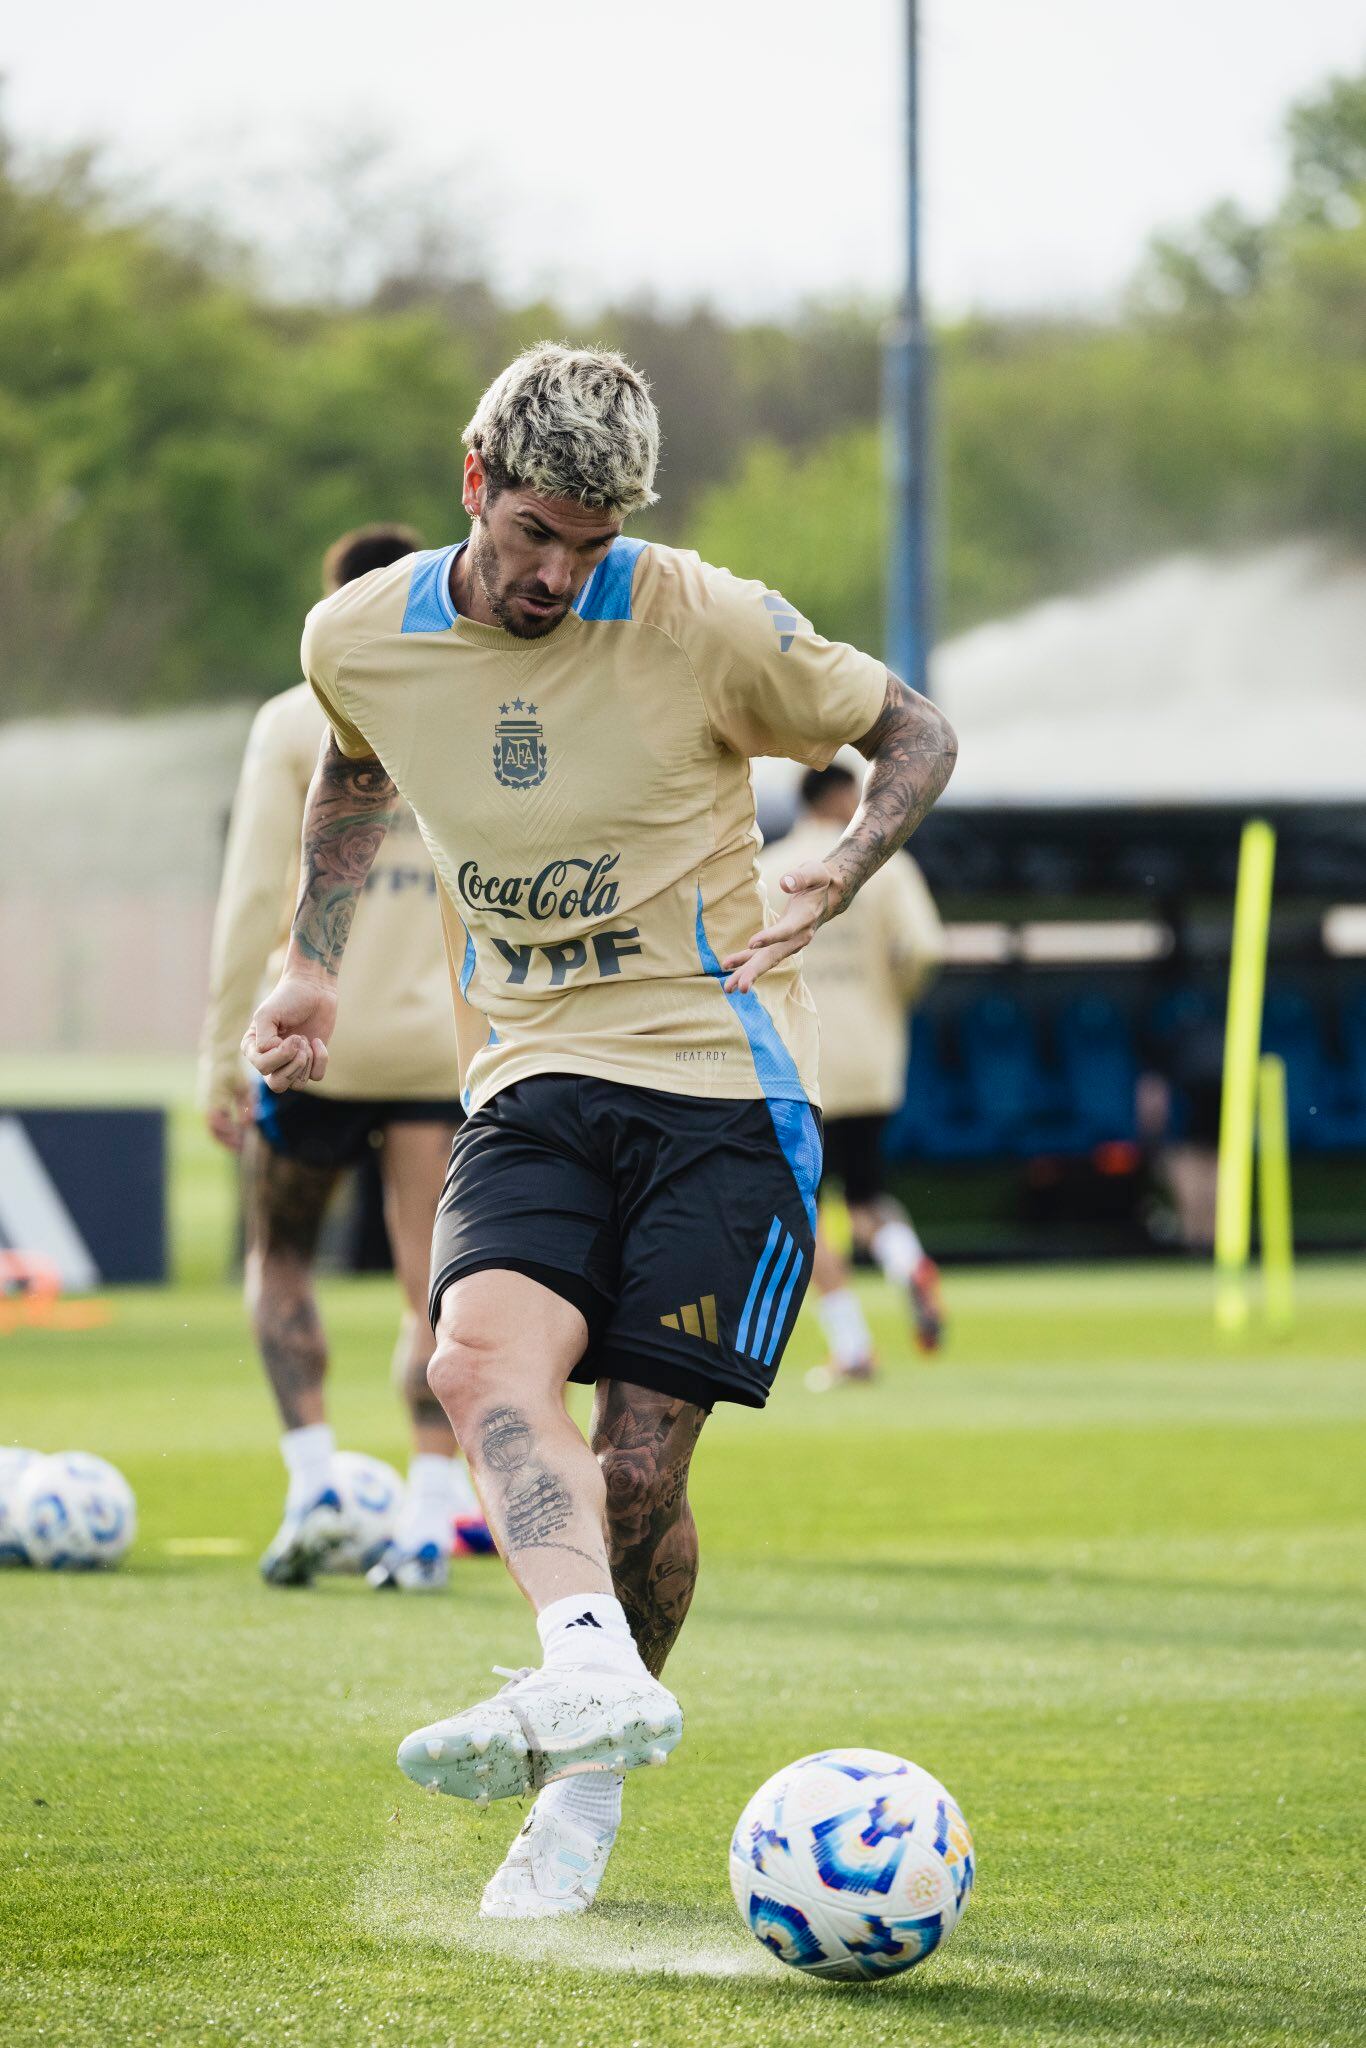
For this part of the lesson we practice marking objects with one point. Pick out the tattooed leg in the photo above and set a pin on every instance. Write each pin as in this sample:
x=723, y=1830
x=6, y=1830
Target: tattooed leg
x=505, y=1347
x=644, y=1442
x=285, y=1203
x=413, y=1167
x=412, y=1358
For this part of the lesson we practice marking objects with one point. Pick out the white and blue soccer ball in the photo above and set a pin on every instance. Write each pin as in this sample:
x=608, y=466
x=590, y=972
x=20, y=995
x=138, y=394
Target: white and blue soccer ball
x=73, y=1512
x=851, y=1863
x=14, y=1462
x=372, y=1500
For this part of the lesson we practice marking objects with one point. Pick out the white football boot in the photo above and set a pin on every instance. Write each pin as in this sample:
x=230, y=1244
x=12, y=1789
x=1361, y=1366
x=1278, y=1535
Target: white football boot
x=554, y=1866
x=543, y=1725
x=426, y=1569
x=304, y=1541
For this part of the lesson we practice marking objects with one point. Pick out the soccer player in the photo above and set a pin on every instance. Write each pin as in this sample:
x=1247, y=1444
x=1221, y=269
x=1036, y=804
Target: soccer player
x=571, y=715
x=863, y=971
x=393, y=1081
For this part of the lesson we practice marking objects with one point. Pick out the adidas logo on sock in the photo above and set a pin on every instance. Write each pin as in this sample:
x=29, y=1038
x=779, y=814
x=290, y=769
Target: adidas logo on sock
x=584, y=1621
x=698, y=1318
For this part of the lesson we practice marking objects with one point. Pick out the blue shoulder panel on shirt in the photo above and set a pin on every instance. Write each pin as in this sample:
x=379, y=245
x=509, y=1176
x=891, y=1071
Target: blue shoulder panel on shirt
x=429, y=608
x=607, y=593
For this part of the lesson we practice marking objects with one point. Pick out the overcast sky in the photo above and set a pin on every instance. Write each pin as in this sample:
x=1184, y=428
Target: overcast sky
x=746, y=151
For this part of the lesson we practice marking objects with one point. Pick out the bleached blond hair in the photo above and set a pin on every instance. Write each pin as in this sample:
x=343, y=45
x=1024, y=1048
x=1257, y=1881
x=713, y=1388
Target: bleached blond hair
x=570, y=423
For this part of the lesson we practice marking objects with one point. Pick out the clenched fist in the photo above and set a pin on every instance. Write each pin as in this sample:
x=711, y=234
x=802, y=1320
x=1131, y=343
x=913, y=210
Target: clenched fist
x=286, y=1041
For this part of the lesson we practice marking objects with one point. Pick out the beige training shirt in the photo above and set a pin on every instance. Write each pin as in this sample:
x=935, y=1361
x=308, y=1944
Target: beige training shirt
x=586, y=801
x=394, y=1038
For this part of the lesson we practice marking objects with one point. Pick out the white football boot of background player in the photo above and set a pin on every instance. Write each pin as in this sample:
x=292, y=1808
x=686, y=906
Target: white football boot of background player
x=313, y=1526
x=438, y=1500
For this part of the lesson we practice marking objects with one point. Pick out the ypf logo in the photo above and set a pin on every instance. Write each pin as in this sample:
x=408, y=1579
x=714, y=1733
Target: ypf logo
x=518, y=746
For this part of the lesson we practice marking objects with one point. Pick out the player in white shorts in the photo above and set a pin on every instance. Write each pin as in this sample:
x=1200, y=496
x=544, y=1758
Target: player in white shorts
x=572, y=715
x=393, y=1085
x=864, y=972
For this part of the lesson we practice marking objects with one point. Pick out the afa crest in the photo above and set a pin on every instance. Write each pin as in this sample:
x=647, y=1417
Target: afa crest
x=519, y=756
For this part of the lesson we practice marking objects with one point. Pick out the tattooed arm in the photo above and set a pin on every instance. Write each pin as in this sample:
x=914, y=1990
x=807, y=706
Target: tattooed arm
x=350, y=806
x=912, y=750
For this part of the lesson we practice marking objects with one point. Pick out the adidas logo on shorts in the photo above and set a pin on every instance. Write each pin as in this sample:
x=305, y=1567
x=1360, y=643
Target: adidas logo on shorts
x=698, y=1318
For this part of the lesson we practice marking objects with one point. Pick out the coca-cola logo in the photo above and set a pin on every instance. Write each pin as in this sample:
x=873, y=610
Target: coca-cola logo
x=562, y=888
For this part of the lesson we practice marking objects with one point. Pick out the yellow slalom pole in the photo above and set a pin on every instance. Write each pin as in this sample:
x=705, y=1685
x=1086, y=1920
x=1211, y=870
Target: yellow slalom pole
x=1273, y=1196
x=1242, y=1042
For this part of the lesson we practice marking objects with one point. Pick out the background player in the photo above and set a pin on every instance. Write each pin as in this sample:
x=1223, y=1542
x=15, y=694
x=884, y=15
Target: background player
x=393, y=1081
x=864, y=970
x=632, y=1202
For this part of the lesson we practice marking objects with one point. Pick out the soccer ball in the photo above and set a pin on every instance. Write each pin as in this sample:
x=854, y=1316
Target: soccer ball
x=13, y=1463
x=372, y=1499
x=851, y=1863
x=74, y=1512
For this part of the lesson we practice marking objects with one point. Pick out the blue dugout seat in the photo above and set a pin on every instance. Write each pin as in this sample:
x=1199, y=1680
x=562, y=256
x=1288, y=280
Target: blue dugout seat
x=1100, y=1069
x=1340, y=1122
x=1291, y=1029
x=982, y=1085
x=936, y=1120
x=1009, y=1087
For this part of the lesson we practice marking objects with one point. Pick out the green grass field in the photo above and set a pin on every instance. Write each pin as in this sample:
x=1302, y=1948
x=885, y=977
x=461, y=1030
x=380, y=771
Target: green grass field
x=1100, y=1577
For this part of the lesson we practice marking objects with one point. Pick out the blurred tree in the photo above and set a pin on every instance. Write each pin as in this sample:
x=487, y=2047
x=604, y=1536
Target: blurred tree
x=179, y=452
x=1228, y=406
x=1327, y=134
x=813, y=525
x=1207, y=271
x=177, y=445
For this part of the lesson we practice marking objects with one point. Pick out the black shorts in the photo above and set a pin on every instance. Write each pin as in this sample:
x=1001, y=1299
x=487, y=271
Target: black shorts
x=329, y=1131
x=853, y=1156
x=683, y=1228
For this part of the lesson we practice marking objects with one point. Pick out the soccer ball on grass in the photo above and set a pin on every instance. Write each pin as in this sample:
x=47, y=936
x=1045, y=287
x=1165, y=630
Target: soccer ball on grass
x=851, y=1863
x=14, y=1462
x=73, y=1512
x=372, y=1499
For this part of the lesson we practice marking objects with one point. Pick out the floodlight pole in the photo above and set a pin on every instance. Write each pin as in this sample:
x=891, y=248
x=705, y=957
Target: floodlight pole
x=906, y=403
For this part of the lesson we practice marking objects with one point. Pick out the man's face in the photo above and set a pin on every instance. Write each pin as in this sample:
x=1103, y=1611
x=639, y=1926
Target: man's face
x=532, y=555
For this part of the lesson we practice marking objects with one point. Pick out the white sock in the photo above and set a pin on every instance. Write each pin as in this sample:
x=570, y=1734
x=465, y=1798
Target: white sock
x=592, y=1799
x=588, y=1629
x=430, y=1503
x=845, y=1326
x=308, y=1455
x=897, y=1250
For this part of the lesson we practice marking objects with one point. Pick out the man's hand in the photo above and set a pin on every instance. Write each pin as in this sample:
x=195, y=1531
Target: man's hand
x=811, y=893
x=911, y=750
x=228, y=1124
x=286, y=1041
